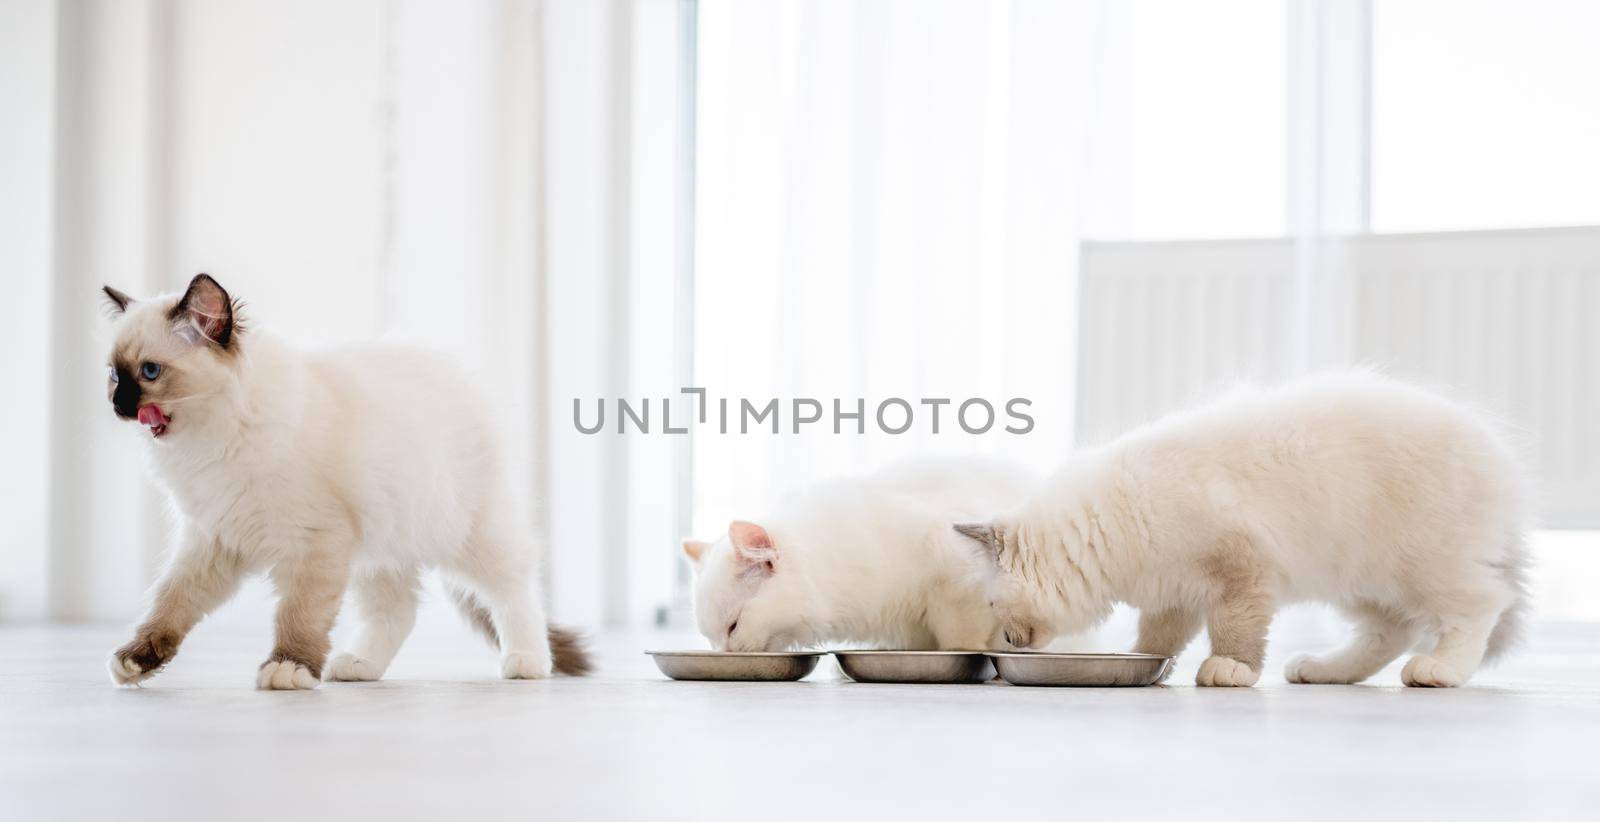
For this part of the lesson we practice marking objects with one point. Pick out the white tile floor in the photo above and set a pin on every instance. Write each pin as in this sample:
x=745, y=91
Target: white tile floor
x=443, y=739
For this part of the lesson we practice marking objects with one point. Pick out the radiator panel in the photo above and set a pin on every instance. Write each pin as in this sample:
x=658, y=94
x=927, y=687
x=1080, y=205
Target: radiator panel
x=1506, y=318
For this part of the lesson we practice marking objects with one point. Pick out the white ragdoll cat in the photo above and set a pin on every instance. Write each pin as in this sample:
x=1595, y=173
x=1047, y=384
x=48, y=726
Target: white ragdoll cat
x=353, y=466
x=868, y=560
x=1401, y=508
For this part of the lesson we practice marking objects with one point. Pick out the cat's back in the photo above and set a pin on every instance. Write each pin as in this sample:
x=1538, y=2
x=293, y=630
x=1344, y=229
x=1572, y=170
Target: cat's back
x=404, y=406
x=393, y=378
x=406, y=434
x=1340, y=409
x=1354, y=438
x=386, y=361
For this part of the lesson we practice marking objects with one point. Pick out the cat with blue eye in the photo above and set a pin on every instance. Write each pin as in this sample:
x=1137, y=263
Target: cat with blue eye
x=141, y=387
x=279, y=459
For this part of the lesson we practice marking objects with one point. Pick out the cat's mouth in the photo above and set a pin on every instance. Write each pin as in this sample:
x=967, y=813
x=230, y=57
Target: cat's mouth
x=150, y=416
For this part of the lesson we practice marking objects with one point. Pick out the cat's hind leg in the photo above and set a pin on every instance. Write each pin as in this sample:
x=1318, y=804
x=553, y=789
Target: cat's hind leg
x=497, y=573
x=519, y=621
x=386, y=604
x=1381, y=637
x=1464, y=622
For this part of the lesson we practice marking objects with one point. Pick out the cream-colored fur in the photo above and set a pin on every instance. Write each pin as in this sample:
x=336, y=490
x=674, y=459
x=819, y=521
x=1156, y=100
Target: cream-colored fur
x=1402, y=508
x=862, y=560
x=354, y=466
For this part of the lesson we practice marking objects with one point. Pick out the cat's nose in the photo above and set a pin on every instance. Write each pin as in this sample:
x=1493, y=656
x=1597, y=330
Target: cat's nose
x=125, y=399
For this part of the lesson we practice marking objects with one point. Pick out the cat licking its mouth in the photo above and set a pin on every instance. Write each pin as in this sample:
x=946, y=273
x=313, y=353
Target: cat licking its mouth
x=151, y=417
x=286, y=466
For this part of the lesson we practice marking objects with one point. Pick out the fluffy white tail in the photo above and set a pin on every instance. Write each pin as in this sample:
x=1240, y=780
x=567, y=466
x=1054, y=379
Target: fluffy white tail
x=1513, y=624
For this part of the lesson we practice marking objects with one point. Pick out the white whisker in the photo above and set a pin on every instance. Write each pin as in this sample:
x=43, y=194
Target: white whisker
x=187, y=397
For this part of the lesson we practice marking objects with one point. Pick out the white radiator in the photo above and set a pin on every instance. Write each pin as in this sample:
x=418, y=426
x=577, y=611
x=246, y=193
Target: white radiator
x=1504, y=317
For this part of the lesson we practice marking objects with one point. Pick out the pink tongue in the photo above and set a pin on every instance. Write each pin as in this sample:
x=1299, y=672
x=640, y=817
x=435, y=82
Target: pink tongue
x=151, y=415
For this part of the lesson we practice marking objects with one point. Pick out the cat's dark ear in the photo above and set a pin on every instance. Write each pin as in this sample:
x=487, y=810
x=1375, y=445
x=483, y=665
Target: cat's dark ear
x=694, y=549
x=116, y=301
x=753, y=546
x=205, y=312
x=985, y=535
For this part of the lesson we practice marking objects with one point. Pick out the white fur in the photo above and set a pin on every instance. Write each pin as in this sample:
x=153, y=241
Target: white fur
x=360, y=463
x=1402, y=508
x=127, y=672
x=284, y=675
x=868, y=561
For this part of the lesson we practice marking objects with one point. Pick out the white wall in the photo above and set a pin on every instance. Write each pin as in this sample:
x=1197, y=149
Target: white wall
x=27, y=81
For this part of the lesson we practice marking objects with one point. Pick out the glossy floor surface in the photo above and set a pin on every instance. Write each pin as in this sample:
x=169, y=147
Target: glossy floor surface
x=443, y=739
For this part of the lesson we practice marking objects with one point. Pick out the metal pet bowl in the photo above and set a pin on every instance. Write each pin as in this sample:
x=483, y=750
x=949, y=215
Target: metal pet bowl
x=1082, y=670
x=727, y=666
x=943, y=667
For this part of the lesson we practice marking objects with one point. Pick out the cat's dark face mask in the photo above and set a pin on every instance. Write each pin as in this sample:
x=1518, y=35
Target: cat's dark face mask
x=167, y=351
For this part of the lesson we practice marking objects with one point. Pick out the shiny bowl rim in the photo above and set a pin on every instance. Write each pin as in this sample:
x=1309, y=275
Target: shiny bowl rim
x=884, y=652
x=1070, y=655
x=739, y=654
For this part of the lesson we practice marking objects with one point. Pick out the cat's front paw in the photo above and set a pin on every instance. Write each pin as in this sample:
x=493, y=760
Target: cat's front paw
x=1225, y=672
x=285, y=675
x=1427, y=672
x=126, y=671
x=525, y=665
x=351, y=668
x=139, y=660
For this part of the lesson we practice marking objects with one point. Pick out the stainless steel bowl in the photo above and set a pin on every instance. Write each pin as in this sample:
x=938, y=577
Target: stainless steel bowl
x=726, y=666
x=916, y=666
x=1082, y=670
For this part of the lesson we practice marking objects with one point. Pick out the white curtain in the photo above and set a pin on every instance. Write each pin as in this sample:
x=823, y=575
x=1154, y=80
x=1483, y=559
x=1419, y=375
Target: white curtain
x=893, y=199
x=889, y=198
x=461, y=174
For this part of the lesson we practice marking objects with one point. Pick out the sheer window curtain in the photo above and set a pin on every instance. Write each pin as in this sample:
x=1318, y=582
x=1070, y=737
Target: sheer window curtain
x=481, y=177
x=889, y=197
x=894, y=199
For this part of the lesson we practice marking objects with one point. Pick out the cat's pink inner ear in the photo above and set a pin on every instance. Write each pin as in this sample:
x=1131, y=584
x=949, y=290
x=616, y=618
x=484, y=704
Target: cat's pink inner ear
x=694, y=549
x=205, y=311
x=751, y=542
x=210, y=315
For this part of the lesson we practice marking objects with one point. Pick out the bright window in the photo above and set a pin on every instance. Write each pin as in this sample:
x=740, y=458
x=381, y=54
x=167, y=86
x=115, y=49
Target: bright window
x=1484, y=114
x=1189, y=121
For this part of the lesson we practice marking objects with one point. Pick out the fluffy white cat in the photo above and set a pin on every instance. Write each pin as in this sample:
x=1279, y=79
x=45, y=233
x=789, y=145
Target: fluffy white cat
x=1403, y=509
x=353, y=466
x=868, y=560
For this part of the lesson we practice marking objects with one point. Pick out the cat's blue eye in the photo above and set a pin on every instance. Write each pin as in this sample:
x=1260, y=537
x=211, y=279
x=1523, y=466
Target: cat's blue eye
x=150, y=370
x=112, y=373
